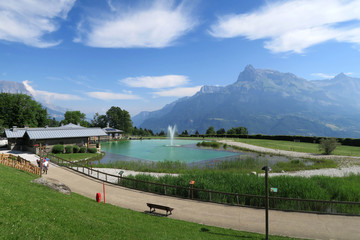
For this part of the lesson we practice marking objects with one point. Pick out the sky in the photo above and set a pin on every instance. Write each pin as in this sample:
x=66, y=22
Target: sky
x=140, y=55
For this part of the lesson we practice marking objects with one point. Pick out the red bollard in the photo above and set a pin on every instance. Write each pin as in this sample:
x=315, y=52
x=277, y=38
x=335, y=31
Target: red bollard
x=98, y=197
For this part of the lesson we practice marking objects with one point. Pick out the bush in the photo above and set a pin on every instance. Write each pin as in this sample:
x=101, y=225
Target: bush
x=82, y=150
x=69, y=149
x=328, y=145
x=92, y=150
x=76, y=149
x=58, y=149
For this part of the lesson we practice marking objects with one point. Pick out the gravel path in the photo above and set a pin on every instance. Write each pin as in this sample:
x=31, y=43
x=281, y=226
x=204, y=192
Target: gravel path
x=347, y=164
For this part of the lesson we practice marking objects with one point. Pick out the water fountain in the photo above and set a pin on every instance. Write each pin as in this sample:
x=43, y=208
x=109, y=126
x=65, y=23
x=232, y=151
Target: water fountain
x=171, y=133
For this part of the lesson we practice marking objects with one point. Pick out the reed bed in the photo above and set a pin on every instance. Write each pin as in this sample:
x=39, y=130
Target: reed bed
x=242, y=164
x=315, y=188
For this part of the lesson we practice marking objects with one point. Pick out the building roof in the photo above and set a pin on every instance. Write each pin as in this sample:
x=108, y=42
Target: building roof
x=112, y=130
x=67, y=131
x=15, y=133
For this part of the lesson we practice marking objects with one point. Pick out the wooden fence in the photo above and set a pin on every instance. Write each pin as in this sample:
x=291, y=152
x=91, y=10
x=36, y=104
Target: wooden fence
x=256, y=201
x=19, y=163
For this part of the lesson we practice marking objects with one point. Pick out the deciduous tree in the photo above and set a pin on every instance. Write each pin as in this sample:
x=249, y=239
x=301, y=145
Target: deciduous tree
x=119, y=119
x=75, y=117
x=210, y=131
x=21, y=110
x=328, y=145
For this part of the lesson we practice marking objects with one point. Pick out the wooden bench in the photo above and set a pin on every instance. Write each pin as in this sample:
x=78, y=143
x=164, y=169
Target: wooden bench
x=156, y=206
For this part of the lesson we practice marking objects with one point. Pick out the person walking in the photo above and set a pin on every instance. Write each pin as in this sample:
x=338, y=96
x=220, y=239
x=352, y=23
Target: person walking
x=45, y=165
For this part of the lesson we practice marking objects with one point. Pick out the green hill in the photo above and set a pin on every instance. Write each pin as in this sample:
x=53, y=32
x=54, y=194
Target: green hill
x=32, y=211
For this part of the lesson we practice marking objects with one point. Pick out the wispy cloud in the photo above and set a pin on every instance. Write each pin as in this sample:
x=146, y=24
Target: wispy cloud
x=178, y=92
x=152, y=26
x=293, y=26
x=154, y=82
x=111, y=6
x=49, y=97
x=112, y=96
x=28, y=21
x=323, y=75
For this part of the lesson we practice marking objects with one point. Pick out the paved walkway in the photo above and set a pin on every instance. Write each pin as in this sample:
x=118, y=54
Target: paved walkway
x=301, y=225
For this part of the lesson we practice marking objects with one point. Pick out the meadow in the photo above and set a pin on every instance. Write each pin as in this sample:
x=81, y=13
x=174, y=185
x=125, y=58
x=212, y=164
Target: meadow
x=32, y=211
x=299, y=146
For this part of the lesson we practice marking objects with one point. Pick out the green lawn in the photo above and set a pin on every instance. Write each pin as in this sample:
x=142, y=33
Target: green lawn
x=32, y=211
x=299, y=146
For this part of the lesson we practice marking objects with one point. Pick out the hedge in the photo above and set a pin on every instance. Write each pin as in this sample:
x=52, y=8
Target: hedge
x=82, y=150
x=76, y=149
x=92, y=150
x=69, y=149
x=58, y=149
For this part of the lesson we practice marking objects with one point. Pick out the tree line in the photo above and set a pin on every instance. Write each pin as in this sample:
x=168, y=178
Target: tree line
x=21, y=110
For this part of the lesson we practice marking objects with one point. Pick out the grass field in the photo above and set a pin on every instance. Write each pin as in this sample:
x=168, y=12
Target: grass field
x=32, y=211
x=299, y=146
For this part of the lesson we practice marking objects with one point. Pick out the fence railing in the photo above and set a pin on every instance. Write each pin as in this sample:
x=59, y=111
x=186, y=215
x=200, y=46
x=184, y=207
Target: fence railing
x=257, y=201
x=19, y=163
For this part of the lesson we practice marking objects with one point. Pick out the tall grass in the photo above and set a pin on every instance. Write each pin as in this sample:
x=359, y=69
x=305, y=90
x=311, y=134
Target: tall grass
x=316, y=188
x=241, y=164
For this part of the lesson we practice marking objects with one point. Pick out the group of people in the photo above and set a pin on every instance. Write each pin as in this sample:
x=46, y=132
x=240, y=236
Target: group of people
x=43, y=163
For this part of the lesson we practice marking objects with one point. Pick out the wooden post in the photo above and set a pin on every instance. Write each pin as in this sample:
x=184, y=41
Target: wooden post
x=104, y=191
x=41, y=162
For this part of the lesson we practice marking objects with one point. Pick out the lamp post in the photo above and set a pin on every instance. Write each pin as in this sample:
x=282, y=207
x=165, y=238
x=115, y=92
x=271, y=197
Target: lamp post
x=267, y=169
x=192, y=182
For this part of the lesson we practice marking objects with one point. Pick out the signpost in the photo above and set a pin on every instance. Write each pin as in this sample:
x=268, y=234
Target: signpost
x=274, y=191
x=121, y=173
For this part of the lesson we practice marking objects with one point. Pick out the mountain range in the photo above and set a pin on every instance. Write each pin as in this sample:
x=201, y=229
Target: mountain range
x=266, y=102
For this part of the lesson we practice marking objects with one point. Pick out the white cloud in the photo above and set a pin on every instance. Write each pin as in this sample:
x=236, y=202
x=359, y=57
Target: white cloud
x=294, y=25
x=111, y=6
x=112, y=96
x=156, y=26
x=178, y=92
x=28, y=21
x=166, y=81
x=323, y=75
x=48, y=97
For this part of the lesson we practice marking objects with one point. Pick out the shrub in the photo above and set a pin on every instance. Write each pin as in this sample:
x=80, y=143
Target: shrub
x=69, y=149
x=76, y=148
x=58, y=149
x=82, y=150
x=92, y=150
x=328, y=145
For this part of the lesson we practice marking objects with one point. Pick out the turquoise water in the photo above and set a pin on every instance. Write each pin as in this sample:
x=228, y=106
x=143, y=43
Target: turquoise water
x=159, y=150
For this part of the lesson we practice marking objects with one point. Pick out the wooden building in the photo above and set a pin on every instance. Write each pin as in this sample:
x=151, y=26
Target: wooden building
x=29, y=139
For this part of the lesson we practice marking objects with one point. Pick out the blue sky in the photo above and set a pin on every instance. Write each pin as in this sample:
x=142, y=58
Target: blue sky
x=140, y=55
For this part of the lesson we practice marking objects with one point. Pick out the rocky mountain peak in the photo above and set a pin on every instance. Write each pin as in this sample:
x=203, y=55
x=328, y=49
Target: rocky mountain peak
x=341, y=76
x=248, y=74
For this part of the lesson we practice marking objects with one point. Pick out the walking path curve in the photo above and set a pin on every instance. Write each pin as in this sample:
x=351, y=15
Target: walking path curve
x=301, y=225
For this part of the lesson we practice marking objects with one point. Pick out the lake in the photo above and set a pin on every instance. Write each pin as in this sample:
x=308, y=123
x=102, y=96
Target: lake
x=159, y=150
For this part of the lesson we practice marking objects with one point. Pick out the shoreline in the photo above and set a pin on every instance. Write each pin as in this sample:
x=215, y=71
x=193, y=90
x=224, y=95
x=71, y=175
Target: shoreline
x=346, y=168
